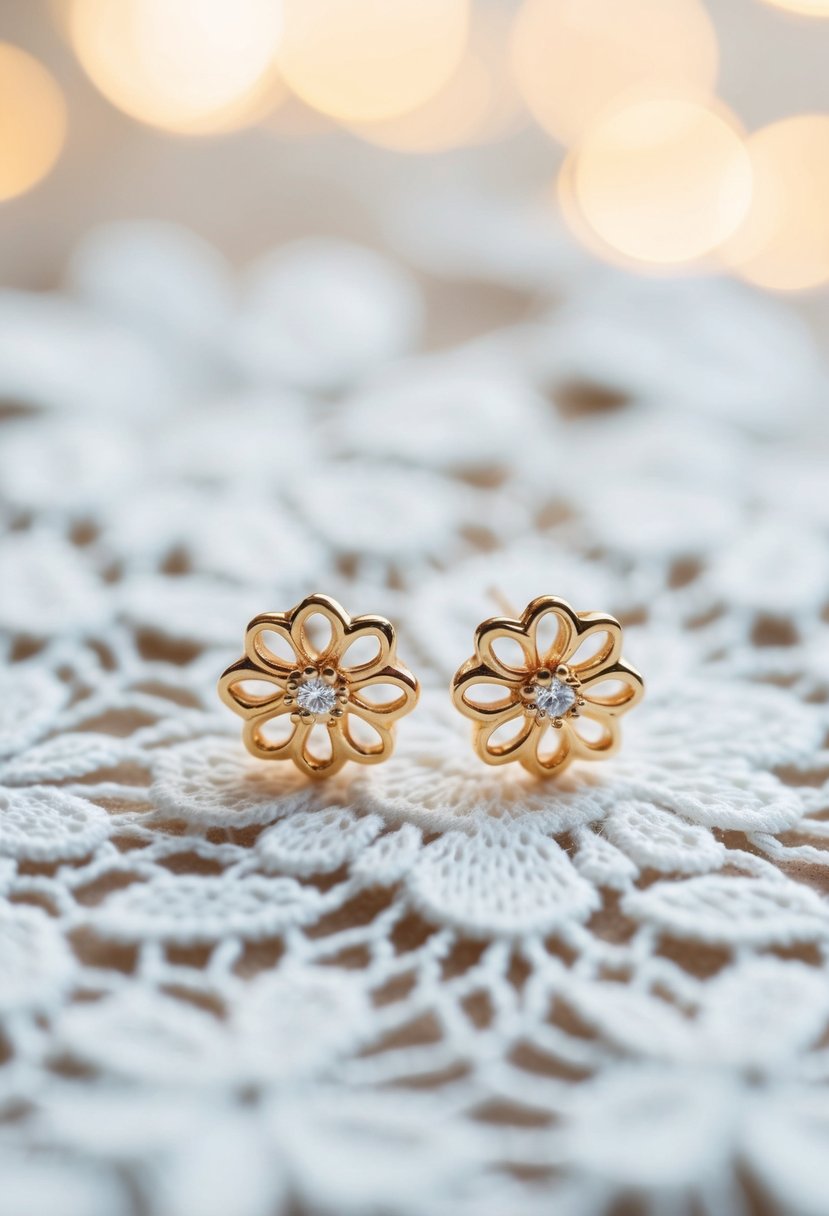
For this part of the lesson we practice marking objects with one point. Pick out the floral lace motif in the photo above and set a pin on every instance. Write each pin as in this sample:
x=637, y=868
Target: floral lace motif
x=428, y=986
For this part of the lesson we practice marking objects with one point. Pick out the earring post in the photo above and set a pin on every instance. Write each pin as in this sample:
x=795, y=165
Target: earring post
x=500, y=600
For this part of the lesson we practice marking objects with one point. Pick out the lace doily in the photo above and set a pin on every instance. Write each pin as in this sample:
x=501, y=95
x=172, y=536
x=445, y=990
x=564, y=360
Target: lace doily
x=429, y=987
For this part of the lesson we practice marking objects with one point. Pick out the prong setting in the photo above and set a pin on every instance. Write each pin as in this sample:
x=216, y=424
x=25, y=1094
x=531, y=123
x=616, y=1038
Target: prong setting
x=321, y=694
x=551, y=697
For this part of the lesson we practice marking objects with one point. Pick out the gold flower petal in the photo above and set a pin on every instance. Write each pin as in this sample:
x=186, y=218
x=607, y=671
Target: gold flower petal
x=345, y=631
x=309, y=763
x=247, y=704
x=542, y=765
x=338, y=621
x=498, y=628
x=260, y=654
x=477, y=674
x=381, y=631
x=387, y=711
x=567, y=621
x=596, y=624
x=258, y=745
x=364, y=753
x=517, y=747
x=614, y=703
x=605, y=745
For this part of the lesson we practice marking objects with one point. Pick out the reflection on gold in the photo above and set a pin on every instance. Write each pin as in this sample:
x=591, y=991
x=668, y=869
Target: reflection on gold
x=783, y=242
x=572, y=58
x=367, y=60
x=32, y=121
x=480, y=102
x=190, y=66
x=662, y=181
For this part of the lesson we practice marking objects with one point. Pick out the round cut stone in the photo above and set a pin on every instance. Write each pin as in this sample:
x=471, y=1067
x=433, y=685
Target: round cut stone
x=555, y=698
x=316, y=696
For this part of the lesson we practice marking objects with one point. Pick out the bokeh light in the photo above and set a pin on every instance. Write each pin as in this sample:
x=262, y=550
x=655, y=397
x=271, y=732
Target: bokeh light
x=32, y=121
x=806, y=8
x=367, y=61
x=573, y=58
x=783, y=242
x=479, y=103
x=662, y=181
x=190, y=66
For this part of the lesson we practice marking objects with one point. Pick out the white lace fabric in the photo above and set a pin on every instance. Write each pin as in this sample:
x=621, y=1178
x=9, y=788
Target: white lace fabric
x=430, y=986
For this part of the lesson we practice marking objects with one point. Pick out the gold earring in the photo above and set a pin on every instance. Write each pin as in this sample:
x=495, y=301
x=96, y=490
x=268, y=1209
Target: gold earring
x=316, y=690
x=550, y=688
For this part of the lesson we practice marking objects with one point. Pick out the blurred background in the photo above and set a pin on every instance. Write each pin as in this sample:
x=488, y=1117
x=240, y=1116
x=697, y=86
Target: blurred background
x=664, y=136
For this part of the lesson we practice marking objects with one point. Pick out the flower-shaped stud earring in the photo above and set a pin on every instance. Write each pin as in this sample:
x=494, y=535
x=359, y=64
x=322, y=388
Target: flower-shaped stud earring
x=302, y=700
x=557, y=698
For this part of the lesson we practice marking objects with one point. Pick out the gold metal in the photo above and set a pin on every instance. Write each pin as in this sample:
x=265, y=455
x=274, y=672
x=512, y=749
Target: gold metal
x=336, y=685
x=522, y=685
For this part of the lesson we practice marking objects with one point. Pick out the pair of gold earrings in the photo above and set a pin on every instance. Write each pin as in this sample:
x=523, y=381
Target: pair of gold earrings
x=302, y=700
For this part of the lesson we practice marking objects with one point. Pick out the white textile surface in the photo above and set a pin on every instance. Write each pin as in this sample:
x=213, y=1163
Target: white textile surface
x=429, y=987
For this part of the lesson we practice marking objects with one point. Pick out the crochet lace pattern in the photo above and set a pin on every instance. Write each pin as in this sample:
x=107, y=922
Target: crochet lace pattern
x=428, y=987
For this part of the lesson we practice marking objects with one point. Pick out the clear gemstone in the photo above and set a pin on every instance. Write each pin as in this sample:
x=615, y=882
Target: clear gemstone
x=554, y=699
x=316, y=696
